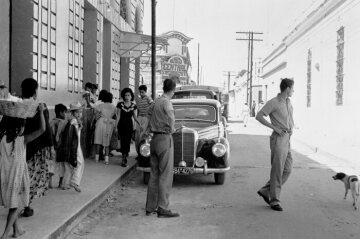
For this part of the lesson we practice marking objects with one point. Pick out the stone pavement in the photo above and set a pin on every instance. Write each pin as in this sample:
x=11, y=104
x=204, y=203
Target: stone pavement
x=338, y=158
x=58, y=212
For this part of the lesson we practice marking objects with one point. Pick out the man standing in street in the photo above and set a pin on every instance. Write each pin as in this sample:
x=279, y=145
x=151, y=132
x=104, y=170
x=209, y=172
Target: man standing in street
x=280, y=111
x=161, y=124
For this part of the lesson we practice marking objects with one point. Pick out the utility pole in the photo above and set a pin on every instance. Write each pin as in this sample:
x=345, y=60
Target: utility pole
x=198, y=63
x=229, y=74
x=250, y=40
x=153, y=48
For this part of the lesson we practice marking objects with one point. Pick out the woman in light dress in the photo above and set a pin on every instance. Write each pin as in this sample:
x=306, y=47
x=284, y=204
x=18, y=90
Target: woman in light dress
x=14, y=176
x=106, y=114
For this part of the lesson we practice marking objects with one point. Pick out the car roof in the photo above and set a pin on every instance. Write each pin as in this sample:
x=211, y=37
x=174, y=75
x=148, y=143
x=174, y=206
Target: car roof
x=212, y=102
x=195, y=90
x=199, y=87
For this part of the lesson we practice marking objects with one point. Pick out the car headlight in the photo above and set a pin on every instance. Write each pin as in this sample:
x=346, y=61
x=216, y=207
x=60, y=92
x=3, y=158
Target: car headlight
x=145, y=150
x=218, y=149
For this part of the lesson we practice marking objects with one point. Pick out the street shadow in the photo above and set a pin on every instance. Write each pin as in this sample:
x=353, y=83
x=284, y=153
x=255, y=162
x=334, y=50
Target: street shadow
x=183, y=181
x=194, y=180
x=235, y=121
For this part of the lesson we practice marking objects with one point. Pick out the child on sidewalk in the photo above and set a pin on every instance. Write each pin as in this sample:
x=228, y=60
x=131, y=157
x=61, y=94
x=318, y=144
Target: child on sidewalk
x=70, y=149
x=14, y=176
x=57, y=125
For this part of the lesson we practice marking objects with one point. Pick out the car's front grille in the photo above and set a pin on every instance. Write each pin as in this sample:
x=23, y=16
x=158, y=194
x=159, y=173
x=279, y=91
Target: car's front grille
x=184, y=148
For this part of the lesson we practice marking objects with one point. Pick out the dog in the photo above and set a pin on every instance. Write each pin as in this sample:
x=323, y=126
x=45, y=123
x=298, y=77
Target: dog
x=352, y=183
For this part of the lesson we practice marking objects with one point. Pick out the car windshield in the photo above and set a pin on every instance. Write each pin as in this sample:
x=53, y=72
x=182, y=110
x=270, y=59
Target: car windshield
x=195, y=112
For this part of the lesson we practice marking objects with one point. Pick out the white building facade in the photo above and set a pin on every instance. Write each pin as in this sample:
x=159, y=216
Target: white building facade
x=322, y=55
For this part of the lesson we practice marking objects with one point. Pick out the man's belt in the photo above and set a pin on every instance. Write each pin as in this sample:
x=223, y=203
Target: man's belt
x=161, y=133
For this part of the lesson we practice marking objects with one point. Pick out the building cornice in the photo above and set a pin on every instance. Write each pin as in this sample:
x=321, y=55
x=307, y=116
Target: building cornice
x=316, y=16
x=182, y=37
x=275, y=69
x=311, y=20
x=274, y=54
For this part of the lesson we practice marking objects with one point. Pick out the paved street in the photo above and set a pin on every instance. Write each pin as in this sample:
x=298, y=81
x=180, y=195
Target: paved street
x=313, y=203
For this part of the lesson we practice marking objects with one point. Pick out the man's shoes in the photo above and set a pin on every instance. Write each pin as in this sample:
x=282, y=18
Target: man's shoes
x=276, y=207
x=162, y=213
x=266, y=199
x=148, y=213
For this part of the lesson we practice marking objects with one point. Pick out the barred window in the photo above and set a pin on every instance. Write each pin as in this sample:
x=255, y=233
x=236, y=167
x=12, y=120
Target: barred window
x=123, y=9
x=340, y=66
x=76, y=44
x=44, y=43
x=308, y=76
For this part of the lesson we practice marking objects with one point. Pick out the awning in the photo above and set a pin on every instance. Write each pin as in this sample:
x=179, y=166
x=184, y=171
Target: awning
x=133, y=45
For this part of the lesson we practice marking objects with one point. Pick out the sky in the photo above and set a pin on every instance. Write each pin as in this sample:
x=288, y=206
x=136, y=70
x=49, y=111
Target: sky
x=213, y=25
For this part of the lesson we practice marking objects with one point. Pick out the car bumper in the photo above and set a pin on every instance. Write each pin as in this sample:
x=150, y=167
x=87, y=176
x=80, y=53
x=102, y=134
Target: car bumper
x=204, y=170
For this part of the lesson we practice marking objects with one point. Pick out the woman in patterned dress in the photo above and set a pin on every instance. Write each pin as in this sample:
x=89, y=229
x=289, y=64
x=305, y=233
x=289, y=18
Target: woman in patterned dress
x=104, y=126
x=38, y=152
x=127, y=112
x=14, y=176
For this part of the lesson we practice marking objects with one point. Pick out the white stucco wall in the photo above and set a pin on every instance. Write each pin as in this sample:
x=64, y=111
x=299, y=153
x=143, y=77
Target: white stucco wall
x=328, y=124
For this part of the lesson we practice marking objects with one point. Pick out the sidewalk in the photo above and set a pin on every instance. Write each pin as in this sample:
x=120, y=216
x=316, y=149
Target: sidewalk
x=58, y=212
x=338, y=158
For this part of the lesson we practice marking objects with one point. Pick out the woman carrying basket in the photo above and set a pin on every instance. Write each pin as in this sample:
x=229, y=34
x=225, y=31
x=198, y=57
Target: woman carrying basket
x=14, y=177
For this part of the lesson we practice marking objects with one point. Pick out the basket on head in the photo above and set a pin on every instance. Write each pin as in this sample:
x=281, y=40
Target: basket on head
x=22, y=109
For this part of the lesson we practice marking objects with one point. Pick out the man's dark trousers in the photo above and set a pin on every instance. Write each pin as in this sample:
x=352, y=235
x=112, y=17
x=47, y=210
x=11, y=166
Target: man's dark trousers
x=161, y=174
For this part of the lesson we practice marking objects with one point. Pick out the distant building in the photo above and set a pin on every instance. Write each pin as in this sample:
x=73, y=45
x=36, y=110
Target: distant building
x=173, y=61
x=322, y=54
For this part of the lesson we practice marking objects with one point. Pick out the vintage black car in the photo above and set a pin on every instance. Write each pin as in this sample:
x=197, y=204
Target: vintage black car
x=200, y=141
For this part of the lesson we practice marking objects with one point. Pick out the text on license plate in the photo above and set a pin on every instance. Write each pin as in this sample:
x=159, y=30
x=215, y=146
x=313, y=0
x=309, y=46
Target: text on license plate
x=183, y=170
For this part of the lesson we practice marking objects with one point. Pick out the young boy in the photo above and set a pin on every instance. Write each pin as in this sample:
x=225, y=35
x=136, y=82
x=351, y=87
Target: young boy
x=143, y=103
x=57, y=126
x=70, y=148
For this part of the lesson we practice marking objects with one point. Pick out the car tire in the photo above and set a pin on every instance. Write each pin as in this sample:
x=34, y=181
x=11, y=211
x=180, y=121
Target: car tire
x=219, y=178
x=146, y=178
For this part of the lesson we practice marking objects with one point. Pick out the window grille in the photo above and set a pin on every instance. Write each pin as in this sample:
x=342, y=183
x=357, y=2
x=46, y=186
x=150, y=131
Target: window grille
x=340, y=66
x=308, y=76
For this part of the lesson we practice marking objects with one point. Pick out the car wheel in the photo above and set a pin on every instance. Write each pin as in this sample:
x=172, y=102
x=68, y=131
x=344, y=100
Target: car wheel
x=146, y=178
x=219, y=178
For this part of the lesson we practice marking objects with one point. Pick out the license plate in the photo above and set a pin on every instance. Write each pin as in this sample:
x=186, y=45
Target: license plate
x=183, y=170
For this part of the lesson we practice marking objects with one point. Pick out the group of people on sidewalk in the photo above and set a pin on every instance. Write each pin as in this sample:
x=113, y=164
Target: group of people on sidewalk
x=116, y=127
x=35, y=149
x=32, y=150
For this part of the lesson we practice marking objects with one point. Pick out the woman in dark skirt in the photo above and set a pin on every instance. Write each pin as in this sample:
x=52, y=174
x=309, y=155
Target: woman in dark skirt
x=127, y=112
x=38, y=152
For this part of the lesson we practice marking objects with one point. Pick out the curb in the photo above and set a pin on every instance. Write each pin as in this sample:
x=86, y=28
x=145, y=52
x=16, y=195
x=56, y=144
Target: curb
x=63, y=230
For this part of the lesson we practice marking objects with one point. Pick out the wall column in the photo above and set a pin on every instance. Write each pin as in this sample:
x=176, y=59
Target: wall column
x=5, y=13
x=124, y=72
x=90, y=31
x=106, y=56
